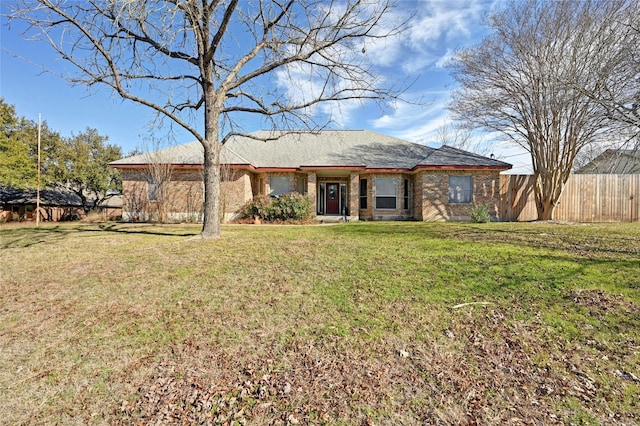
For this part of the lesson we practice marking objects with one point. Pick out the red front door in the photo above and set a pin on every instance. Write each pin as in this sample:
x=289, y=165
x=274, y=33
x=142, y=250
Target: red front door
x=333, y=198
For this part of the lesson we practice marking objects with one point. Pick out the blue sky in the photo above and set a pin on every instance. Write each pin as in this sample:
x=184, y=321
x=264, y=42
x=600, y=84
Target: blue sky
x=439, y=28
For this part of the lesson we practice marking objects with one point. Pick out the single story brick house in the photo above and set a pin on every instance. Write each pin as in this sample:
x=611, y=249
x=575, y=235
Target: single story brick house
x=360, y=174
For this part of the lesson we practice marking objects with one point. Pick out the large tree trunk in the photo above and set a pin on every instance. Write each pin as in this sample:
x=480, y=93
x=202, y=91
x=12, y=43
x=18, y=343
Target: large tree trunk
x=545, y=206
x=121, y=41
x=547, y=190
x=211, y=226
x=83, y=200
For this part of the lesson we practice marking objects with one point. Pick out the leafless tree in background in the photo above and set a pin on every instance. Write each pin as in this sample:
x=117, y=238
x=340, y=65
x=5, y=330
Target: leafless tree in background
x=536, y=76
x=621, y=94
x=204, y=64
x=228, y=177
x=461, y=137
x=159, y=174
x=621, y=99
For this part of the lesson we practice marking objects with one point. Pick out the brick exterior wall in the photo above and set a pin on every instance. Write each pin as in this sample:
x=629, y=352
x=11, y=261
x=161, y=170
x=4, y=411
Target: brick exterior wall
x=235, y=191
x=312, y=191
x=432, y=203
x=184, y=198
x=418, y=196
x=428, y=194
x=353, y=192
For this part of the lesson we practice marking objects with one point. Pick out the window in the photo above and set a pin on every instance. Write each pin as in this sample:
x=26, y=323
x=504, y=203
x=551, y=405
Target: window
x=301, y=185
x=153, y=190
x=405, y=201
x=386, y=193
x=363, y=194
x=333, y=192
x=260, y=188
x=279, y=185
x=321, y=198
x=460, y=191
x=343, y=199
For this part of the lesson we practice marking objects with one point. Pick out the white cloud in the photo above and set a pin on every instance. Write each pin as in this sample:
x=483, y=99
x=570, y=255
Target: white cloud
x=440, y=20
x=438, y=29
x=444, y=59
x=302, y=83
x=386, y=51
x=412, y=122
x=436, y=25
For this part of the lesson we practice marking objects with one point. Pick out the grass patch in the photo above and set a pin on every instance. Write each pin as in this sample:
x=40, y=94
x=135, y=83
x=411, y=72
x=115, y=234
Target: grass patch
x=390, y=323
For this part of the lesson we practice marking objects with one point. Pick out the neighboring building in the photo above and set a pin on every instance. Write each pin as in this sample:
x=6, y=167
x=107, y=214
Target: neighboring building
x=360, y=174
x=614, y=161
x=55, y=205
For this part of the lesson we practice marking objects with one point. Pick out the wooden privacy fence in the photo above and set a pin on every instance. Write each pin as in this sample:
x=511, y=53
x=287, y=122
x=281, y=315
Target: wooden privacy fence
x=586, y=198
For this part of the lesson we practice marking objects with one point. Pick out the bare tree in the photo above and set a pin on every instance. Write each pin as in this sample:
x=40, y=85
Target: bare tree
x=228, y=176
x=193, y=199
x=135, y=202
x=159, y=174
x=461, y=137
x=621, y=94
x=530, y=77
x=202, y=64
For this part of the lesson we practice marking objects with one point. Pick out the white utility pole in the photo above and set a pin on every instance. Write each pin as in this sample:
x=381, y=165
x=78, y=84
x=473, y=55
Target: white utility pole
x=38, y=190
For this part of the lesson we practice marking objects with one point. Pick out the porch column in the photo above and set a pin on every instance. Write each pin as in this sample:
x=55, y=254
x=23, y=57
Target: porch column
x=312, y=192
x=354, y=196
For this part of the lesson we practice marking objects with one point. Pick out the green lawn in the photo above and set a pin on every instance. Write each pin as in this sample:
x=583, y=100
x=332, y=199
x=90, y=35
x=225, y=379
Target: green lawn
x=358, y=323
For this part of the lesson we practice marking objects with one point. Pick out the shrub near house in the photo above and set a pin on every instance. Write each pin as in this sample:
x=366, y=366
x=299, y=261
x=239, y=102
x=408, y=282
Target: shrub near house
x=286, y=207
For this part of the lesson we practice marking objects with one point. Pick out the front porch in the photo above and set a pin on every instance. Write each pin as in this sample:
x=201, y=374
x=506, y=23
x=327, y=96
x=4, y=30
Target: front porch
x=334, y=195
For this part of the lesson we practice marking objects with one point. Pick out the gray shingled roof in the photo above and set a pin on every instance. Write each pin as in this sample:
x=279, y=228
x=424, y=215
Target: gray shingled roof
x=613, y=161
x=48, y=197
x=331, y=148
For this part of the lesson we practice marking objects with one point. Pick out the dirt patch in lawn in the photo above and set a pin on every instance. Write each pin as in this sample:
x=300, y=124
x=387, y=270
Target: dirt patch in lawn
x=602, y=301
